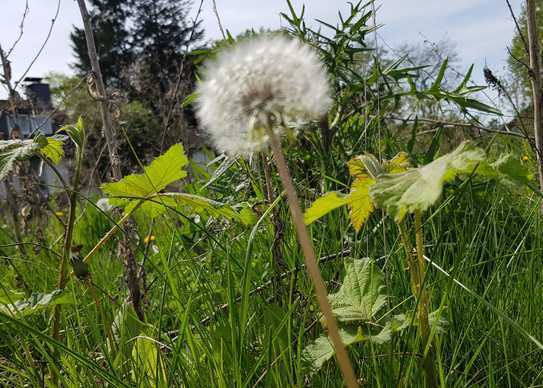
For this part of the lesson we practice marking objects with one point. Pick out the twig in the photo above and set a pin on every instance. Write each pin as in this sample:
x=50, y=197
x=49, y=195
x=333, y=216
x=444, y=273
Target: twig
x=216, y=12
x=53, y=21
x=21, y=29
x=520, y=34
x=535, y=75
x=129, y=261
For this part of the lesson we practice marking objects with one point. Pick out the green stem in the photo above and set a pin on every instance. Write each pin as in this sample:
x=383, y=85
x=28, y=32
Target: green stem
x=424, y=302
x=62, y=278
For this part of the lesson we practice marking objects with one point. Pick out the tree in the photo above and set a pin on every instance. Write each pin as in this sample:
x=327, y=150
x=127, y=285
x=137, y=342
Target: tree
x=519, y=60
x=109, y=19
x=159, y=38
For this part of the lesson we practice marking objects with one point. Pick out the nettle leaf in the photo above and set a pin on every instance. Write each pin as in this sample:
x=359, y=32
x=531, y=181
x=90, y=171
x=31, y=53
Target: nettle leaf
x=360, y=297
x=14, y=150
x=36, y=303
x=420, y=188
x=162, y=172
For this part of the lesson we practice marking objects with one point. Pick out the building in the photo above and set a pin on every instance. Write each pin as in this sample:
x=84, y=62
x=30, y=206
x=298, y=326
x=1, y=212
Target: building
x=28, y=116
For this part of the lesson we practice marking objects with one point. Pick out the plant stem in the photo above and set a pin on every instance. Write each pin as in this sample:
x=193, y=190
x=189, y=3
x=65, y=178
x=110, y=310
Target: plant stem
x=61, y=282
x=535, y=76
x=278, y=259
x=423, y=303
x=311, y=263
x=124, y=249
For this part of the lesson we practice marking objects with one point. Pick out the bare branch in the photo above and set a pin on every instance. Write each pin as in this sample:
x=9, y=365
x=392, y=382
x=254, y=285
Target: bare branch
x=21, y=30
x=53, y=21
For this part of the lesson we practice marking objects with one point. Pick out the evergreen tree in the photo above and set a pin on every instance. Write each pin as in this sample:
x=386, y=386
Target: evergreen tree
x=109, y=21
x=160, y=36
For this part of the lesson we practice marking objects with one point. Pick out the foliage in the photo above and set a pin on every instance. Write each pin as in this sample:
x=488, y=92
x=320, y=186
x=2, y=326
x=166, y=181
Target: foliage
x=14, y=150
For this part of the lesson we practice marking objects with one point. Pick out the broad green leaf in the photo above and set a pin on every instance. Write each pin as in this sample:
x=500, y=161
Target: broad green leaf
x=76, y=132
x=36, y=303
x=162, y=172
x=322, y=350
x=325, y=205
x=148, y=364
x=360, y=297
x=360, y=202
x=419, y=188
x=53, y=150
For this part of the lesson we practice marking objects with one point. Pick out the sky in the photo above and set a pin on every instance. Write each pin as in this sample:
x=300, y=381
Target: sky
x=481, y=29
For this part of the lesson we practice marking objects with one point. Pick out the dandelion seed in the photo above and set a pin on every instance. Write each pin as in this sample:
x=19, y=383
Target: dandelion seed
x=257, y=84
x=104, y=205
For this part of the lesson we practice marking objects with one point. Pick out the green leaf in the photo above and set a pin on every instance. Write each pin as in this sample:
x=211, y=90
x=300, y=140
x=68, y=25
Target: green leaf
x=441, y=74
x=76, y=132
x=36, y=303
x=420, y=188
x=324, y=205
x=14, y=150
x=162, y=171
x=360, y=202
x=360, y=297
x=148, y=364
x=53, y=150
x=322, y=350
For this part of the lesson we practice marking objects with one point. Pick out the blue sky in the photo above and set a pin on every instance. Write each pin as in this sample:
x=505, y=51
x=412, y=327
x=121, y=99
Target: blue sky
x=482, y=29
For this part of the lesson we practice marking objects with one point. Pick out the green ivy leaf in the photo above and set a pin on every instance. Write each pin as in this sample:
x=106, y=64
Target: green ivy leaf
x=420, y=188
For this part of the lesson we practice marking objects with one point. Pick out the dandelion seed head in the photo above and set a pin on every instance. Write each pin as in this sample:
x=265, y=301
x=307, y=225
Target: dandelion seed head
x=255, y=85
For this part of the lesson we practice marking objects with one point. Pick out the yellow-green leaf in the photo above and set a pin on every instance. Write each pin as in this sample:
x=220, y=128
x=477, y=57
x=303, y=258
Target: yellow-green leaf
x=162, y=172
x=360, y=202
x=324, y=205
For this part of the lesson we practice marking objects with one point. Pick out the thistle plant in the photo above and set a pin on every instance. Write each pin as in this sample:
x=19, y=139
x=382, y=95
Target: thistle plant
x=250, y=95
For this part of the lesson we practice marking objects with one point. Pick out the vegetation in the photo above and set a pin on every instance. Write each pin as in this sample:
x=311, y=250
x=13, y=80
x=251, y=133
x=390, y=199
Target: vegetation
x=425, y=222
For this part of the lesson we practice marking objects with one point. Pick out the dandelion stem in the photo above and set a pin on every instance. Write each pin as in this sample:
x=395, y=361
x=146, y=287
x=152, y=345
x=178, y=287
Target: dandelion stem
x=310, y=261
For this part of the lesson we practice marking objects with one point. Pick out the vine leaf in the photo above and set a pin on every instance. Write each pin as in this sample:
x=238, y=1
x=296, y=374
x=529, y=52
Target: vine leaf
x=420, y=188
x=162, y=172
x=365, y=169
x=360, y=296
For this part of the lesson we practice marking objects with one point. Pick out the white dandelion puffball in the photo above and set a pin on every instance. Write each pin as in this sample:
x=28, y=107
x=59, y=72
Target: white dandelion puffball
x=255, y=83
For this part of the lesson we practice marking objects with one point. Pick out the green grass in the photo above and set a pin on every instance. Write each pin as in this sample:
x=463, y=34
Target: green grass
x=487, y=238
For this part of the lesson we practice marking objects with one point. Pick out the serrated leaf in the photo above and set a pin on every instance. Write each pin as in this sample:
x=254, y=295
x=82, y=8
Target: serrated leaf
x=14, y=150
x=360, y=202
x=162, y=172
x=322, y=350
x=420, y=188
x=76, y=132
x=53, y=150
x=324, y=205
x=360, y=297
